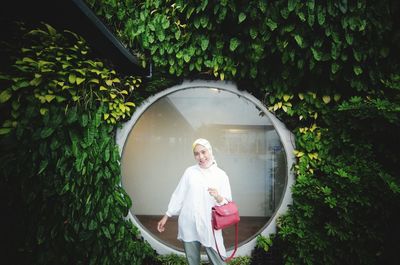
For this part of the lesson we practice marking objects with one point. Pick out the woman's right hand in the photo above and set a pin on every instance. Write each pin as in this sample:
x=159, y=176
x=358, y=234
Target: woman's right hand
x=161, y=224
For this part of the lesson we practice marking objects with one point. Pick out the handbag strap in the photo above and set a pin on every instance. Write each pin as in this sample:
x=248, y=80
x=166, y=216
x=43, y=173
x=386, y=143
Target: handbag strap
x=236, y=244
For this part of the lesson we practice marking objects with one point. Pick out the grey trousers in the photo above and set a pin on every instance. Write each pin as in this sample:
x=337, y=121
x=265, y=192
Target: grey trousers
x=192, y=251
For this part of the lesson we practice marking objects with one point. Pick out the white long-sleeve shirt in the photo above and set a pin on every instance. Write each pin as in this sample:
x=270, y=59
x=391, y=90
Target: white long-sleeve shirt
x=192, y=202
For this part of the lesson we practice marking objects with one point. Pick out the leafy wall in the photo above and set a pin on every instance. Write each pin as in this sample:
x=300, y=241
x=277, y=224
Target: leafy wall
x=329, y=70
x=60, y=163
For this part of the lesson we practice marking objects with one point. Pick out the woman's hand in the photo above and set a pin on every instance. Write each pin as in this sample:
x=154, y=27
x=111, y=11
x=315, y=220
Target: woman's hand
x=161, y=224
x=214, y=192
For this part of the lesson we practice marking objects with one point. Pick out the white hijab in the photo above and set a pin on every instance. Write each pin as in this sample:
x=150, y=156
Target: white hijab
x=206, y=144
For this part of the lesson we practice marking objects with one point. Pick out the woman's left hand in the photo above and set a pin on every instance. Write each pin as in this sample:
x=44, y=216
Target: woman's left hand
x=214, y=192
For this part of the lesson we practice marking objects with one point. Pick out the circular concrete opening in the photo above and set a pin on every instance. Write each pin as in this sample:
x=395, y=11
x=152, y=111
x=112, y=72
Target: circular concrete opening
x=249, y=143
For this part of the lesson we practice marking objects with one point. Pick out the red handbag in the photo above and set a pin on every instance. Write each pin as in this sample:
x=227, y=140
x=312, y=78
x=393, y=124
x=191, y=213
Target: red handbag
x=222, y=217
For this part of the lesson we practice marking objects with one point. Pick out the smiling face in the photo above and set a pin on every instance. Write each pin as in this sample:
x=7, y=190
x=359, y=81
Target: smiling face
x=202, y=156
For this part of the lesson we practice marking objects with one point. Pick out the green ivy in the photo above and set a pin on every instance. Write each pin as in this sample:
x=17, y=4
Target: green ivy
x=240, y=260
x=330, y=71
x=276, y=44
x=61, y=108
x=172, y=259
x=264, y=242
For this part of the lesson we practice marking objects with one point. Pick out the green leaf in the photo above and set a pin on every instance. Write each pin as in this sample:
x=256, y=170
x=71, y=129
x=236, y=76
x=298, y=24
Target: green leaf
x=189, y=12
x=151, y=27
x=84, y=120
x=106, y=232
x=343, y=6
x=292, y=5
x=321, y=16
x=49, y=98
x=310, y=5
x=204, y=43
x=72, y=115
x=43, y=111
x=299, y=40
x=72, y=78
x=20, y=84
x=50, y=29
x=5, y=95
x=90, y=135
x=271, y=24
x=28, y=60
x=316, y=54
x=335, y=52
x=335, y=67
x=196, y=23
x=79, y=80
x=107, y=155
x=177, y=34
x=46, y=132
x=160, y=36
x=222, y=13
x=357, y=55
x=54, y=144
x=253, y=72
x=111, y=228
x=326, y=99
x=242, y=17
x=60, y=99
x=186, y=57
x=192, y=50
x=4, y=130
x=36, y=81
x=92, y=225
x=286, y=97
x=357, y=69
x=285, y=13
x=65, y=188
x=301, y=16
x=349, y=38
x=120, y=199
x=43, y=166
x=311, y=19
x=203, y=5
x=233, y=44
x=165, y=23
x=253, y=33
x=204, y=21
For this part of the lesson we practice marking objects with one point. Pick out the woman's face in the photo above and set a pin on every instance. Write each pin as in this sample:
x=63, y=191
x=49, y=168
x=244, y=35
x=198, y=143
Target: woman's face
x=202, y=156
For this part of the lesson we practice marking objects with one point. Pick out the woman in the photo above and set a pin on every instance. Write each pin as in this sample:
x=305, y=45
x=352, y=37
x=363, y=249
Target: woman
x=201, y=187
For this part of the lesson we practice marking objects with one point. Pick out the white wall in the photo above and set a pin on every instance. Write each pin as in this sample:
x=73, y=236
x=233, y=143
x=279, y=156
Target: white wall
x=158, y=150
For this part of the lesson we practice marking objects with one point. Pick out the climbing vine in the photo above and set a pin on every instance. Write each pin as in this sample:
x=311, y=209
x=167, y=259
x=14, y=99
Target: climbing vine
x=59, y=153
x=328, y=69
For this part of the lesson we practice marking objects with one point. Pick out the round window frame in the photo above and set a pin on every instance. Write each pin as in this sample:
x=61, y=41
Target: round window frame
x=286, y=137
